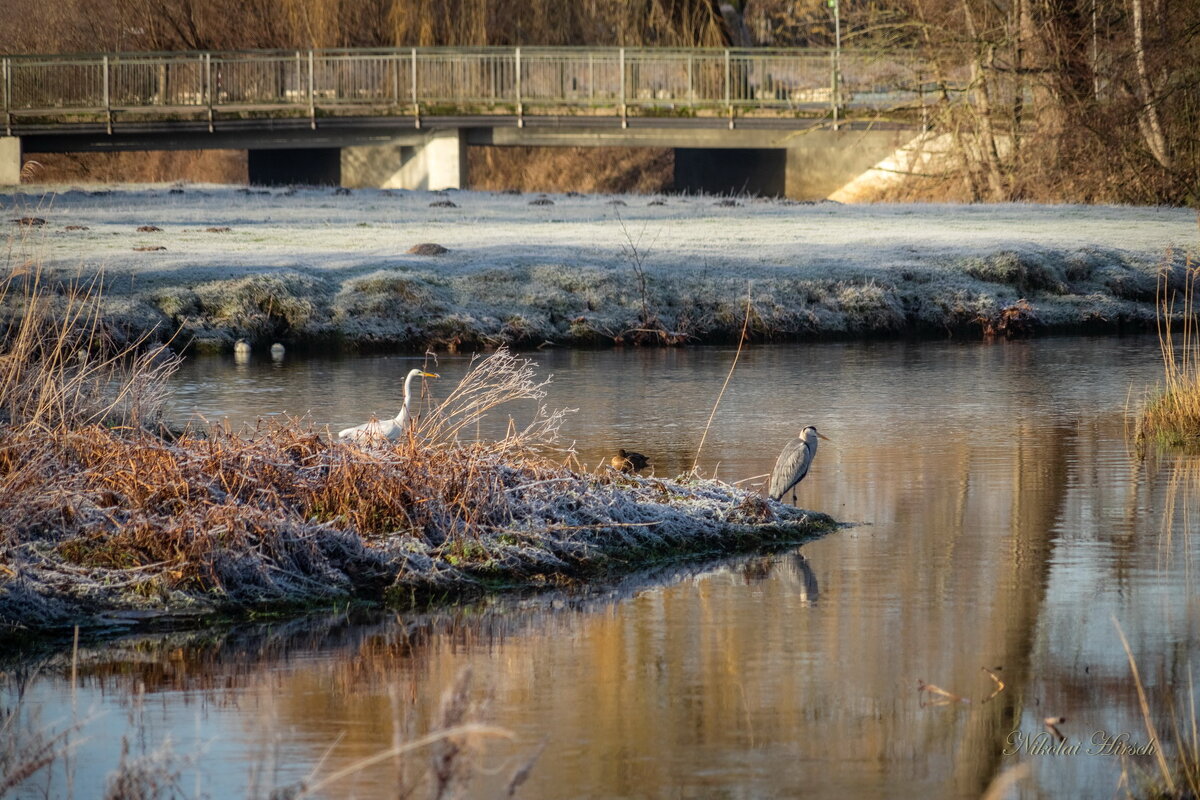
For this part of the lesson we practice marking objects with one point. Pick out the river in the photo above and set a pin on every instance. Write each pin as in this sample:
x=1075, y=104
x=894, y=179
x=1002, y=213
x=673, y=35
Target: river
x=1002, y=526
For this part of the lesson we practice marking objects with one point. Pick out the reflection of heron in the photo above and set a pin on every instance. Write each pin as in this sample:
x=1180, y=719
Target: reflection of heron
x=629, y=461
x=793, y=463
x=802, y=576
x=388, y=428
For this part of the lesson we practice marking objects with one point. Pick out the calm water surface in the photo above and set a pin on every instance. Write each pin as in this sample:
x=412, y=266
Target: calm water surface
x=1004, y=525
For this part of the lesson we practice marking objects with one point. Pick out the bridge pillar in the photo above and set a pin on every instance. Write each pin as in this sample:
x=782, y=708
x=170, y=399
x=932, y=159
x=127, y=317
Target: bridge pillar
x=306, y=166
x=10, y=160
x=435, y=160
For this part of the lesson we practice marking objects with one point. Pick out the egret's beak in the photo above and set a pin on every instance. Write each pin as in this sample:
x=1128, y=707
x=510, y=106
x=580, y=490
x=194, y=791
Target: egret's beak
x=823, y=436
x=431, y=375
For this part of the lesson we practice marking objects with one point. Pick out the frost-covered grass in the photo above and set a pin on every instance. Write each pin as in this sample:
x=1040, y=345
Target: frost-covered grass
x=103, y=509
x=309, y=266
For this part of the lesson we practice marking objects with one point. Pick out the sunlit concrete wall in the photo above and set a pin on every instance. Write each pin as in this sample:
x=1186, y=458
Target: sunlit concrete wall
x=821, y=162
x=10, y=160
x=437, y=160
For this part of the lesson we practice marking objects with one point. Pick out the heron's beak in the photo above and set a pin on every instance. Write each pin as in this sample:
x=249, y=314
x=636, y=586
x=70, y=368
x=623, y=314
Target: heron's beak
x=431, y=375
x=823, y=436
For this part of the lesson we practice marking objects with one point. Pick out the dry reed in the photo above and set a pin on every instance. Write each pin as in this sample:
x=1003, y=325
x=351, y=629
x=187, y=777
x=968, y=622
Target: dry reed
x=62, y=365
x=1173, y=415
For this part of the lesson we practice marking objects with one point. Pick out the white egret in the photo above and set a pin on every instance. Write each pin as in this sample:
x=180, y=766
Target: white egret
x=389, y=429
x=793, y=463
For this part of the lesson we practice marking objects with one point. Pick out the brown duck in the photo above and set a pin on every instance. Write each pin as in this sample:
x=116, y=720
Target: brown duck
x=628, y=461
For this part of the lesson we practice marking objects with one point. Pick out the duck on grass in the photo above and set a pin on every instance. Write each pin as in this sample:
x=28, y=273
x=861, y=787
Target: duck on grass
x=104, y=518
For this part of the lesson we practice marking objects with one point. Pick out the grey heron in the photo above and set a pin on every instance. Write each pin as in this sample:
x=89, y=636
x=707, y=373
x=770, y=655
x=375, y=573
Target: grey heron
x=389, y=429
x=628, y=461
x=793, y=463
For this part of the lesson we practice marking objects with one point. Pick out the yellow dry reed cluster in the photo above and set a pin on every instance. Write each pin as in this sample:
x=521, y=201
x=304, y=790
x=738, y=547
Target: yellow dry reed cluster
x=1172, y=416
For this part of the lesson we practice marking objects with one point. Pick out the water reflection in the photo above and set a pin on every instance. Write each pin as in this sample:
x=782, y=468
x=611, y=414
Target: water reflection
x=1003, y=526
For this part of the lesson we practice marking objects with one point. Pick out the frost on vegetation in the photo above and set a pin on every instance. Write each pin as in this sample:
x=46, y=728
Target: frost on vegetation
x=316, y=275
x=870, y=307
x=98, y=521
x=261, y=306
x=1028, y=272
x=389, y=304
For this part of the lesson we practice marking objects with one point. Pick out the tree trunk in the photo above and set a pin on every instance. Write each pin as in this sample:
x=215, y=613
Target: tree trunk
x=1148, y=120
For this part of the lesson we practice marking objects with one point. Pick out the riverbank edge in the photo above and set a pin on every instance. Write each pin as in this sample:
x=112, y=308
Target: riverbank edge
x=443, y=585
x=414, y=311
x=385, y=271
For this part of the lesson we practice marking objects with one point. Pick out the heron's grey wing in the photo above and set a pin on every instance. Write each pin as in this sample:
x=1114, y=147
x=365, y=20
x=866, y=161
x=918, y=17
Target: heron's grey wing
x=790, y=467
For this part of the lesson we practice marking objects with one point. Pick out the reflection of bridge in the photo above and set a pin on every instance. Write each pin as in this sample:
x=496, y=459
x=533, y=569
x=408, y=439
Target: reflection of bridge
x=403, y=117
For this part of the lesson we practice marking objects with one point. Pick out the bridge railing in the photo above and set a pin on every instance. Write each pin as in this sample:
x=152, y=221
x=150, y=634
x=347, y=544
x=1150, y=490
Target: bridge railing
x=468, y=80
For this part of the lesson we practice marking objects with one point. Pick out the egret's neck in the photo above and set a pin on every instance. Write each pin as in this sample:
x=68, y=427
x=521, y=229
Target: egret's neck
x=407, y=397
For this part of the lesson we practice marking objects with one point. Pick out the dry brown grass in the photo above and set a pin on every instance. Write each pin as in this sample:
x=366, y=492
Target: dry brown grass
x=596, y=170
x=156, y=166
x=1173, y=415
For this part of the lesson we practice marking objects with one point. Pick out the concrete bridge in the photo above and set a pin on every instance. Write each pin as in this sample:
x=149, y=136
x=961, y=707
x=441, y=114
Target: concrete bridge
x=792, y=122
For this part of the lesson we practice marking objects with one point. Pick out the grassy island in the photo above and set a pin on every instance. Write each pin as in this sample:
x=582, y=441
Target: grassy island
x=108, y=516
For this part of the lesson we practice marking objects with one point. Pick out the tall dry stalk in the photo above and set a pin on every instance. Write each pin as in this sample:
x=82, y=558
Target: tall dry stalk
x=1173, y=416
x=728, y=377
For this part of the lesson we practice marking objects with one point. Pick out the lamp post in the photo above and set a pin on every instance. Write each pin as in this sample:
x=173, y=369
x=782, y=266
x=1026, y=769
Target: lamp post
x=836, y=89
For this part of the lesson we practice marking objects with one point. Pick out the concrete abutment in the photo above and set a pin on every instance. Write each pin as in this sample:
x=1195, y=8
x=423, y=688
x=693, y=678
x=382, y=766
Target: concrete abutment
x=431, y=161
x=808, y=166
x=10, y=160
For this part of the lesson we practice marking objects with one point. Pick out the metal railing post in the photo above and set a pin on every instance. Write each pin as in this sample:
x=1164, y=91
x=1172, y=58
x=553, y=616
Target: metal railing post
x=624, y=118
x=396, y=80
x=728, y=88
x=107, y=99
x=299, y=73
x=415, y=102
x=520, y=104
x=312, y=92
x=7, y=97
x=833, y=86
x=691, y=92
x=494, y=74
x=208, y=88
